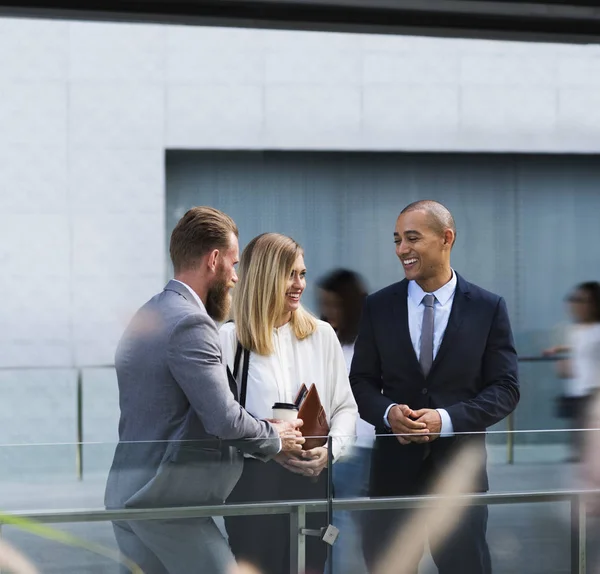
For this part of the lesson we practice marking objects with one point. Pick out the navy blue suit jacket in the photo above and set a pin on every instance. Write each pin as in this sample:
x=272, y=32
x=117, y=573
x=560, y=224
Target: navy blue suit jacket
x=474, y=377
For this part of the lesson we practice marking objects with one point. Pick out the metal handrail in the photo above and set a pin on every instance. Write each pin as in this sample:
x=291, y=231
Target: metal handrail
x=297, y=510
x=510, y=420
x=283, y=507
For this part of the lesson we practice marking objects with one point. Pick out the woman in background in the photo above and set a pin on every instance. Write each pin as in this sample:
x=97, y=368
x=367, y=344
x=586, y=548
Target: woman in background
x=288, y=347
x=581, y=370
x=341, y=296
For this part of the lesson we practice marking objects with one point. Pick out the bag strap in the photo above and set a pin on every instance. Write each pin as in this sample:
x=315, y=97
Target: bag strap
x=232, y=384
x=245, y=367
x=236, y=361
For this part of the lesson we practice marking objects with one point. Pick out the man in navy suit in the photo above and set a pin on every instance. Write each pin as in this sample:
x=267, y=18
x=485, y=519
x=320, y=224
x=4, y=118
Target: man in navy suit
x=434, y=359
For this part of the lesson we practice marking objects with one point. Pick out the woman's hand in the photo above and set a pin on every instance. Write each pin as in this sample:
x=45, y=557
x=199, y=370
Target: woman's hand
x=311, y=463
x=556, y=350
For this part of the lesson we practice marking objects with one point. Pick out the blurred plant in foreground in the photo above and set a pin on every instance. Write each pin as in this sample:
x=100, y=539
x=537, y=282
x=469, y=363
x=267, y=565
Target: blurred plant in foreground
x=439, y=519
x=245, y=568
x=11, y=560
x=7, y=552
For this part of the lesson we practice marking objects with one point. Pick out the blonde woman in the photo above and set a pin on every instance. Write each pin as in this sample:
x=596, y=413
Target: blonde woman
x=288, y=347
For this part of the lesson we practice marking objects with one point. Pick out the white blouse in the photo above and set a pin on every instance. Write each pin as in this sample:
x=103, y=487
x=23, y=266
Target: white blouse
x=278, y=377
x=585, y=353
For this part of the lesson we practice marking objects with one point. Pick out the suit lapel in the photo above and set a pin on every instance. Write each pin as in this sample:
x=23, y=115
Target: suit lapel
x=401, y=324
x=460, y=307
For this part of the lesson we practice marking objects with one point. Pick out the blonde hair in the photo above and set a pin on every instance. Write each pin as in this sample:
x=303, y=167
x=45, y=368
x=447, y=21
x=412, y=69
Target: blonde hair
x=259, y=296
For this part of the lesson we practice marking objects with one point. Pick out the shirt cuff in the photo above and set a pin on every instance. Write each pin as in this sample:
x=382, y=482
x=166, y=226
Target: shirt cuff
x=385, y=416
x=447, y=427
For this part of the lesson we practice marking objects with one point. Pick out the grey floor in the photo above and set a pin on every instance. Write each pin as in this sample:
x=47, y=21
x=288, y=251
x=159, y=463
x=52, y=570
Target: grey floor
x=524, y=538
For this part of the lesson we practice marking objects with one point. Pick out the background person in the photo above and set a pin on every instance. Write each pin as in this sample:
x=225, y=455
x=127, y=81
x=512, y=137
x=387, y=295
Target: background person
x=341, y=298
x=581, y=371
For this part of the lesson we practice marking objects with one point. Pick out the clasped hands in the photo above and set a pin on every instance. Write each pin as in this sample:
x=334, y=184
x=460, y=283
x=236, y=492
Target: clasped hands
x=422, y=426
x=292, y=457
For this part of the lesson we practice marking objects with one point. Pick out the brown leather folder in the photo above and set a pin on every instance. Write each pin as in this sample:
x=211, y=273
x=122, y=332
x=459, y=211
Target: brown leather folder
x=311, y=411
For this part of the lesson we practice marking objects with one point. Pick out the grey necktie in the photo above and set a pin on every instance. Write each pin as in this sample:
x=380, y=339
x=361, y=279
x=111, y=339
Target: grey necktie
x=426, y=355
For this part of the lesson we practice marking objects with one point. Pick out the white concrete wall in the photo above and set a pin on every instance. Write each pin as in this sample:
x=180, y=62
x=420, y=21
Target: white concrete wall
x=87, y=111
x=265, y=89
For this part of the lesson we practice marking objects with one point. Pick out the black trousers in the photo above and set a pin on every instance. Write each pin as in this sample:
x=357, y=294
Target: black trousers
x=264, y=540
x=465, y=551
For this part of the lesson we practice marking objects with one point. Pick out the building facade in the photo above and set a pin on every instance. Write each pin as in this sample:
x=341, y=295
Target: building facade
x=108, y=132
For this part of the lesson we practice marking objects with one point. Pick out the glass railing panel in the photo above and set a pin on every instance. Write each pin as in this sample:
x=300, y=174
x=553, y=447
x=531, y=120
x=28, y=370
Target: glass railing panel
x=521, y=519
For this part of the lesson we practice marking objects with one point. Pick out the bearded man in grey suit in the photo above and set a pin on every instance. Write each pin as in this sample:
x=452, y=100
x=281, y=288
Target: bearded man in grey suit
x=182, y=431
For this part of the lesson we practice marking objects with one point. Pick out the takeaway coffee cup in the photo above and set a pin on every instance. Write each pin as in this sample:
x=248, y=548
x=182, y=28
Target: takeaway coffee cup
x=285, y=411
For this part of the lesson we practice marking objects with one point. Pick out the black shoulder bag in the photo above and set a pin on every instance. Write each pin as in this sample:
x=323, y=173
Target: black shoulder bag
x=236, y=369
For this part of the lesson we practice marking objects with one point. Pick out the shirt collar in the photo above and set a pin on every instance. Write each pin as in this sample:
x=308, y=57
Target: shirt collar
x=443, y=294
x=192, y=292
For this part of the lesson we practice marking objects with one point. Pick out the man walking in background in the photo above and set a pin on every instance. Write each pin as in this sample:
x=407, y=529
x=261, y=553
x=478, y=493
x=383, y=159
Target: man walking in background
x=434, y=357
x=177, y=404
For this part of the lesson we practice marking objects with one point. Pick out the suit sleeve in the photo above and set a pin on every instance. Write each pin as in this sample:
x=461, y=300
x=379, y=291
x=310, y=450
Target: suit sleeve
x=500, y=393
x=194, y=356
x=365, y=373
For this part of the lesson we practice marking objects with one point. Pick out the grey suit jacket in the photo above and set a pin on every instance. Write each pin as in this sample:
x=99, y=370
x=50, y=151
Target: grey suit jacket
x=177, y=410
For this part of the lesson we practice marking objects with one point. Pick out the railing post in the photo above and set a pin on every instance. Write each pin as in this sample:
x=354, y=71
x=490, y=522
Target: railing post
x=330, y=565
x=510, y=441
x=297, y=540
x=578, y=534
x=79, y=445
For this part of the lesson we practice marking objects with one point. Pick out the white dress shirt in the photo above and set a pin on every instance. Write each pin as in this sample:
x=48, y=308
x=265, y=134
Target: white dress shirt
x=442, y=306
x=277, y=377
x=365, y=432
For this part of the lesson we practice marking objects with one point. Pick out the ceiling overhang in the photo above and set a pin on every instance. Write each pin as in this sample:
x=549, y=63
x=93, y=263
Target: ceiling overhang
x=546, y=21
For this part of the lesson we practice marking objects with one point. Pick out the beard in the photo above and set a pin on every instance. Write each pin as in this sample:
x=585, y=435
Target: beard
x=218, y=300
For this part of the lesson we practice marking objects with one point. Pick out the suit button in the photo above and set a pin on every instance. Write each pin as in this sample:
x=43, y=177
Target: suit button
x=424, y=391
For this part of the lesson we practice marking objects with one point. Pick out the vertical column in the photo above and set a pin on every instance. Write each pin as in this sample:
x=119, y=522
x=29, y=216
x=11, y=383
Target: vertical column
x=578, y=535
x=297, y=540
x=79, y=445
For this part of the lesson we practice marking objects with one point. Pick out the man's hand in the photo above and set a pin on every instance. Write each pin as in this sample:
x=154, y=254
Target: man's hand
x=311, y=463
x=433, y=421
x=291, y=437
x=401, y=420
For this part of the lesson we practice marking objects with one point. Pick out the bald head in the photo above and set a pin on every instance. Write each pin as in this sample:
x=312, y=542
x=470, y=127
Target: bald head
x=439, y=217
x=424, y=236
